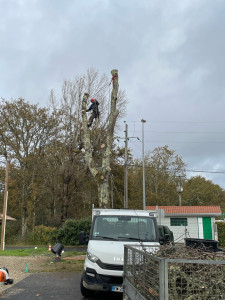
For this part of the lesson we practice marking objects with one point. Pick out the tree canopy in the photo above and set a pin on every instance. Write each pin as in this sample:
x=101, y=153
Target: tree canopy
x=51, y=178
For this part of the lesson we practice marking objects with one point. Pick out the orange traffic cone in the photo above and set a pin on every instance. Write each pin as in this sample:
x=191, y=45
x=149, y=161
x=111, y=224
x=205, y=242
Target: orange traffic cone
x=49, y=247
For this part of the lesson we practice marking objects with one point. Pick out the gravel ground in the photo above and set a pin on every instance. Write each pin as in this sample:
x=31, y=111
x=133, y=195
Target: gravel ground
x=16, y=267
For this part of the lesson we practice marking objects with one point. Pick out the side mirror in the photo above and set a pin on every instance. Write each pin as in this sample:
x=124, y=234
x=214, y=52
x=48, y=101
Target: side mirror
x=167, y=237
x=161, y=240
x=83, y=238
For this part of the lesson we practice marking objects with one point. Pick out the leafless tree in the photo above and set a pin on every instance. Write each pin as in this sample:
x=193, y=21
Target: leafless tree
x=73, y=131
x=100, y=166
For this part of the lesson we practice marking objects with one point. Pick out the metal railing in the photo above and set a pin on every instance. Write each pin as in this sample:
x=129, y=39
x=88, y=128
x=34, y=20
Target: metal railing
x=149, y=276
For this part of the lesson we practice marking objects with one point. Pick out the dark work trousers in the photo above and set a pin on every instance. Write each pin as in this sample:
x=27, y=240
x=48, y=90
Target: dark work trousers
x=93, y=116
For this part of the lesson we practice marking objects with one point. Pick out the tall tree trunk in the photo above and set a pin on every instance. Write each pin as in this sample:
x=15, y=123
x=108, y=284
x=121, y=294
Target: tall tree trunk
x=24, y=226
x=65, y=204
x=103, y=193
x=24, y=214
x=101, y=175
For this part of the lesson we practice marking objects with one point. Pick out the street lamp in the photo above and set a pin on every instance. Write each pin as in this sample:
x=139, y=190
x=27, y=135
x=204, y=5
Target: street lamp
x=143, y=163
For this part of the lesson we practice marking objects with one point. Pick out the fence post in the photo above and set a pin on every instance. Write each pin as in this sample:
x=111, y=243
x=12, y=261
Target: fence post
x=162, y=280
x=165, y=262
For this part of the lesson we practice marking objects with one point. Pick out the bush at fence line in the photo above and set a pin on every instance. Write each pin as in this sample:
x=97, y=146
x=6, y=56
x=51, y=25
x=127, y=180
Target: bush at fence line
x=194, y=280
x=186, y=278
x=221, y=234
x=69, y=233
x=12, y=232
x=42, y=235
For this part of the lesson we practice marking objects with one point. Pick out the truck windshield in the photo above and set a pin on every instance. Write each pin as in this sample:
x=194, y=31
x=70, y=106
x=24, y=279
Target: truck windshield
x=124, y=228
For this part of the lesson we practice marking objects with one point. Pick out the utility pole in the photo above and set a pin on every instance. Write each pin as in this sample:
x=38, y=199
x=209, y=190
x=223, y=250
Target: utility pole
x=179, y=189
x=126, y=138
x=5, y=206
x=143, y=164
x=126, y=169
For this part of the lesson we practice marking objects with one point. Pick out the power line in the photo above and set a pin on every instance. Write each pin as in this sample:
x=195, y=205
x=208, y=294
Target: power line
x=206, y=171
x=195, y=132
x=187, y=142
x=188, y=122
x=187, y=170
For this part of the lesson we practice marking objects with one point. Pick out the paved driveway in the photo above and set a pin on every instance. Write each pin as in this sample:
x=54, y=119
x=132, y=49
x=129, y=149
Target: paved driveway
x=47, y=286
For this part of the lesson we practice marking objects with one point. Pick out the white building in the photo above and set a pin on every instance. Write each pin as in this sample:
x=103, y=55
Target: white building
x=189, y=221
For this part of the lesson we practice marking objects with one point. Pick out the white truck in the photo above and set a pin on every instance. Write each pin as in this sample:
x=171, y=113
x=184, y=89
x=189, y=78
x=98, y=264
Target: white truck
x=111, y=229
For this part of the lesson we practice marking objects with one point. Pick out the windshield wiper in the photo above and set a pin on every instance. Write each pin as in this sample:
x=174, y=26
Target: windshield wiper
x=128, y=238
x=105, y=237
x=134, y=239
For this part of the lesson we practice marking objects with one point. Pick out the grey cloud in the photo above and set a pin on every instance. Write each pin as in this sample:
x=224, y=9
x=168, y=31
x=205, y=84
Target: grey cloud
x=169, y=55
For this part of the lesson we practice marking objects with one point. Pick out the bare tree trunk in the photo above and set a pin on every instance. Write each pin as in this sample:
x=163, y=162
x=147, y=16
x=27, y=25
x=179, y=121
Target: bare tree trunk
x=101, y=175
x=103, y=193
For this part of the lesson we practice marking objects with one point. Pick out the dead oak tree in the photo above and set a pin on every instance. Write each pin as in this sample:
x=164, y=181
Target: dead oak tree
x=101, y=174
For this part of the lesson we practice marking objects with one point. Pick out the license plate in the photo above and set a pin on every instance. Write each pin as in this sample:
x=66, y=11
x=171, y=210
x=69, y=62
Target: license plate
x=117, y=289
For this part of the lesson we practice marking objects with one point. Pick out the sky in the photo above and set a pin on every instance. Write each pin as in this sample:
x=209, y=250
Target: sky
x=169, y=54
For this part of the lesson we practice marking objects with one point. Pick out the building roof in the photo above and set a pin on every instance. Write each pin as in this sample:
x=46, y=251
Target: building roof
x=7, y=218
x=187, y=210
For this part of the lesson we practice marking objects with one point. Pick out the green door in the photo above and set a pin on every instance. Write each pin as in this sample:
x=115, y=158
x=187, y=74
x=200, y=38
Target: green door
x=207, y=228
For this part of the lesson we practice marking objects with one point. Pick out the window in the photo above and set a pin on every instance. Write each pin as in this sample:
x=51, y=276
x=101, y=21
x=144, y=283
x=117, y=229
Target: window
x=123, y=228
x=178, y=221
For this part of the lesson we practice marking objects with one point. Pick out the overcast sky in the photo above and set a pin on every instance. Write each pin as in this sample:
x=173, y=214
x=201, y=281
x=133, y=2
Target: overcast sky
x=170, y=57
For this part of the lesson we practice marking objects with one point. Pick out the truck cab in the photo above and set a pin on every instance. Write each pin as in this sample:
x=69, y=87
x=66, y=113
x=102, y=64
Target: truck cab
x=111, y=229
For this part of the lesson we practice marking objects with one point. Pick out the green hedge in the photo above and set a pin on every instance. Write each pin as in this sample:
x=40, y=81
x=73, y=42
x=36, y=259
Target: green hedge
x=12, y=232
x=69, y=233
x=42, y=235
x=221, y=233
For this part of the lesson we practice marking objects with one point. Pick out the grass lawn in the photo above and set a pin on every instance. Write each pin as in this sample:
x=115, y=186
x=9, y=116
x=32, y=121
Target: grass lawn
x=50, y=265
x=34, y=252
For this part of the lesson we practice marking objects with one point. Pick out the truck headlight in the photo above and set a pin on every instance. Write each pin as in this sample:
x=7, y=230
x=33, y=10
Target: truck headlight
x=92, y=257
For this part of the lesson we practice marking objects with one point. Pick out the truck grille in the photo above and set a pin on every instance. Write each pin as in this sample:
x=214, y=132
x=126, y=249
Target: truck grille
x=111, y=279
x=109, y=266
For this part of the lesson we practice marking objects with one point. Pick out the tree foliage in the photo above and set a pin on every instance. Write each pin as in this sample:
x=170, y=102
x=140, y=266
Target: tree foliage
x=25, y=130
x=199, y=191
x=50, y=180
x=163, y=166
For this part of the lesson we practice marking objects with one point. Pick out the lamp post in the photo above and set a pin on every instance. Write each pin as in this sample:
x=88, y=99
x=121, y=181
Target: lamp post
x=126, y=169
x=143, y=163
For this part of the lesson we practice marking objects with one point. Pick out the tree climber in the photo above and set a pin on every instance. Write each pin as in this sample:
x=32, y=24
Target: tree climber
x=95, y=112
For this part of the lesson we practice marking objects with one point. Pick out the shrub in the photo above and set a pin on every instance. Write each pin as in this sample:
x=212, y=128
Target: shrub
x=12, y=232
x=69, y=233
x=42, y=235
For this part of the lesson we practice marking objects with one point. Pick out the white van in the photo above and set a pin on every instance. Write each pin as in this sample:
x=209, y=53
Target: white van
x=111, y=229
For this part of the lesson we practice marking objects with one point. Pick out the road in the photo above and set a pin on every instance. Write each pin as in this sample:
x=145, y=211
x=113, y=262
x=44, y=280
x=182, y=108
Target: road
x=47, y=286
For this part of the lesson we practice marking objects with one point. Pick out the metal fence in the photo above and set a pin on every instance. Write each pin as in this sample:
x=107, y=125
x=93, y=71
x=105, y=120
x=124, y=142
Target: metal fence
x=151, y=277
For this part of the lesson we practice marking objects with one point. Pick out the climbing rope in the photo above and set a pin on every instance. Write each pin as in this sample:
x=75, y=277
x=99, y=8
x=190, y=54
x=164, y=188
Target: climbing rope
x=113, y=78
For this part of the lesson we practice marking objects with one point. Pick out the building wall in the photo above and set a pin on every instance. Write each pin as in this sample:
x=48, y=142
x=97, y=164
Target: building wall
x=194, y=229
